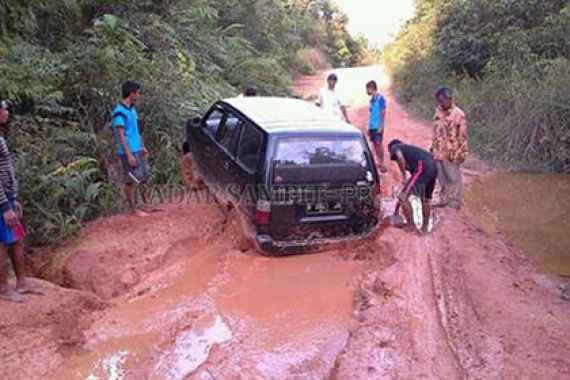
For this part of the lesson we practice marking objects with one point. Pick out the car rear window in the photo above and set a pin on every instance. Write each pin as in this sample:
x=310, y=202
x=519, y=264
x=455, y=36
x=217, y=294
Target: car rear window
x=307, y=151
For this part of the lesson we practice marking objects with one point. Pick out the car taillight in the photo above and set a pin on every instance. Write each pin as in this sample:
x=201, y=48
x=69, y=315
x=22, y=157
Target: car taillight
x=263, y=212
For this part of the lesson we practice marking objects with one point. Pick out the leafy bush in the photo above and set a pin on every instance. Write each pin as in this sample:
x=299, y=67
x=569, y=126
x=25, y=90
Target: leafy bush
x=64, y=184
x=62, y=64
x=509, y=63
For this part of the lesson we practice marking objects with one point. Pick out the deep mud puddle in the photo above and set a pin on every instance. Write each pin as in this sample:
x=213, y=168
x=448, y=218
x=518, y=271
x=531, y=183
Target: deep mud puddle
x=223, y=312
x=293, y=293
x=534, y=212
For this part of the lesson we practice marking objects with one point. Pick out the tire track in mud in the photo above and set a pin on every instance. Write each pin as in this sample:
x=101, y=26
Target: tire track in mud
x=399, y=335
x=495, y=308
x=460, y=322
x=460, y=304
x=456, y=304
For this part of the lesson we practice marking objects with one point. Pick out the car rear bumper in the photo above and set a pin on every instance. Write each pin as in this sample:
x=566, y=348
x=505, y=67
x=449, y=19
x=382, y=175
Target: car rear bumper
x=273, y=247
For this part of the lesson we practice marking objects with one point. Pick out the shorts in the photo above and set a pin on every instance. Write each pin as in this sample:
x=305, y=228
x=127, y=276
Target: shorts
x=138, y=175
x=422, y=183
x=11, y=235
x=376, y=135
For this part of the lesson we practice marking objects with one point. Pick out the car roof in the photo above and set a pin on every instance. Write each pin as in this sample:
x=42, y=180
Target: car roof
x=282, y=115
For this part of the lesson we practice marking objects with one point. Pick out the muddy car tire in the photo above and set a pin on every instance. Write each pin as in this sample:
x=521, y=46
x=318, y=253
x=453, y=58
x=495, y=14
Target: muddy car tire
x=188, y=173
x=236, y=233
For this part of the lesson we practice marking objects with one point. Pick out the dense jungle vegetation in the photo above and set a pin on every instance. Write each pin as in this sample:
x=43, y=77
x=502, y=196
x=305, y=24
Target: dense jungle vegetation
x=509, y=64
x=62, y=63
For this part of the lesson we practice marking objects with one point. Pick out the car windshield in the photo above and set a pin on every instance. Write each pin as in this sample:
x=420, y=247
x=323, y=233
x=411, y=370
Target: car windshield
x=318, y=150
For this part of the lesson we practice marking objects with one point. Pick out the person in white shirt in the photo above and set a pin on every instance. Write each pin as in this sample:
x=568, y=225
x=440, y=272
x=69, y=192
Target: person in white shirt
x=330, y=101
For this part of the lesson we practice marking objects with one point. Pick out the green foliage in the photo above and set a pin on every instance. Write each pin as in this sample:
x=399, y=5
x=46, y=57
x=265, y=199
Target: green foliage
x=77, y=192
x=62, y=64
x=509, y=63
x=28, y=71
x=64, y=184
x=471, y=33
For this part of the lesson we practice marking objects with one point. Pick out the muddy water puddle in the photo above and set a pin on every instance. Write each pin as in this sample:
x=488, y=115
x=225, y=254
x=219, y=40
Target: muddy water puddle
x=290, y=296
x=534, y=212
x=259, y=309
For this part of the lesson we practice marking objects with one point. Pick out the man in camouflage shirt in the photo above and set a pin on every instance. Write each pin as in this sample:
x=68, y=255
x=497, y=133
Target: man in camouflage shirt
x=449, y=148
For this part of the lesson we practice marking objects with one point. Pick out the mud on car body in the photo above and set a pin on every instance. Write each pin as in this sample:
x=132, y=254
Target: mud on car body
x=293, y=176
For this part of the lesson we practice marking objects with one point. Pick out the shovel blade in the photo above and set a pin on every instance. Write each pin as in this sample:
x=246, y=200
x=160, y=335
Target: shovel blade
x=397, y=221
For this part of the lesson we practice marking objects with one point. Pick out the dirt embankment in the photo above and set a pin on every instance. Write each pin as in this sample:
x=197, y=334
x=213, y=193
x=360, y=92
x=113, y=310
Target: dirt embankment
x=114, y=254
x=110, y=258
x=37, y=337
x=168, y=297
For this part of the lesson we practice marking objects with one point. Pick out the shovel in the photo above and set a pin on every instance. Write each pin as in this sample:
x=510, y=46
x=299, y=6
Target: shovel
x=394, y=220
x=397, y=220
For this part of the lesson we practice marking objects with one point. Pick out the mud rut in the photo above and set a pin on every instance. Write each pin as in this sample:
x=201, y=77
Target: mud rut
x=178, y=302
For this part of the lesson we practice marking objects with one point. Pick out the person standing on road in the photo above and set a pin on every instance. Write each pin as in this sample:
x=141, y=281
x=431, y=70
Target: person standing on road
x=449, y=148
x=330, y=101
x=377, y=116
x=12, y=231
x=423, y=175
x=131, y=147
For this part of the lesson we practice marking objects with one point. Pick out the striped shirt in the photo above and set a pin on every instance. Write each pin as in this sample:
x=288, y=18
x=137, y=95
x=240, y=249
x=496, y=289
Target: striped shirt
x=8, y=182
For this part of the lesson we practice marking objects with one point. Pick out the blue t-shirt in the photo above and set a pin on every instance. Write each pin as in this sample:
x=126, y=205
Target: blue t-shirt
x=128, y=119
x=377, y=106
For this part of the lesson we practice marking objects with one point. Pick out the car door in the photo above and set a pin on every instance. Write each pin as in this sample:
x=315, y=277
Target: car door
x=205, y=149
x=224, y=156
x=245, y=172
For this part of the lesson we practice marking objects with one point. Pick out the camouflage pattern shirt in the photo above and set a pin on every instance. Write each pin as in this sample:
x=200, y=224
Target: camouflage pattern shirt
x=450, y=141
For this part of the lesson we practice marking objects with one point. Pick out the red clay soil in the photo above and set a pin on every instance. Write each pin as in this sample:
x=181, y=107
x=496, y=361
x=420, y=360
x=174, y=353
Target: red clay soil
x=106, y=261
x=38, y=336
x=180, y=302
x=109, y=260
x=458, y=303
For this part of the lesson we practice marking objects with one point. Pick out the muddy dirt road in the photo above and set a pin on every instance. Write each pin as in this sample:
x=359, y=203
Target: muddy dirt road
x=175, y=301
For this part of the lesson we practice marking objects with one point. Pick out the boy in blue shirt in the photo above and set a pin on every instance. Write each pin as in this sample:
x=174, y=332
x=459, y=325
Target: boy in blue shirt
x=130, y=145
x=377, y=116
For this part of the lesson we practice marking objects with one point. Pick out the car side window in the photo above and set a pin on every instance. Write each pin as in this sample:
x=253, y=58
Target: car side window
x=229, y=133
x=213, y=122
x=250, y=147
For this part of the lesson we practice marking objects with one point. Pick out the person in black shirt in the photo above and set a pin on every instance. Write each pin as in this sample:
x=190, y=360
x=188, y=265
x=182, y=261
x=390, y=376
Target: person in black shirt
x=423, y=174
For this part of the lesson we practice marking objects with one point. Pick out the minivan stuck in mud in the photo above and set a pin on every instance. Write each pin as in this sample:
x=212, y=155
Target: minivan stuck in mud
x=291, y=176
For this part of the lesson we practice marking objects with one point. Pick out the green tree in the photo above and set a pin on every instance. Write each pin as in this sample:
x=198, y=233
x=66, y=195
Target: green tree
x=509, y=64
x=62, y=64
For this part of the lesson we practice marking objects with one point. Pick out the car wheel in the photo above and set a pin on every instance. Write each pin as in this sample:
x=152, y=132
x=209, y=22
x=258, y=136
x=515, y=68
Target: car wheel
x=188, y=173
x=236, y=233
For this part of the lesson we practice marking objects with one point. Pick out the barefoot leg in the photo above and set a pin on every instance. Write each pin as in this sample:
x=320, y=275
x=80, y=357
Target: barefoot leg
x=6, y=293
